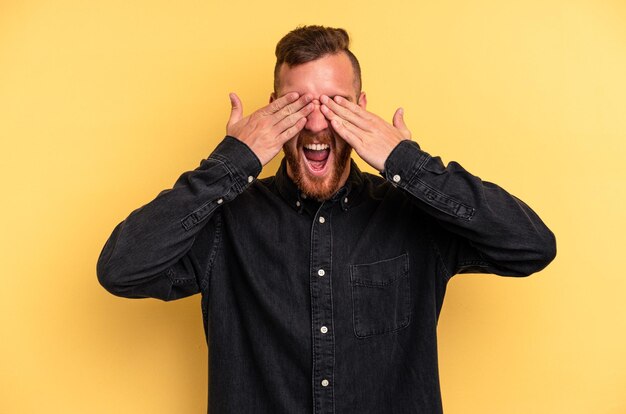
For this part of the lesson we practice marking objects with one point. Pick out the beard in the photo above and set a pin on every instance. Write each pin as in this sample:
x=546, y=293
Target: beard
x=318, y=188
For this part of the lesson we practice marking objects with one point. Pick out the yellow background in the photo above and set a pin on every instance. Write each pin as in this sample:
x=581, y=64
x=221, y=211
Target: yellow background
x=104, y=103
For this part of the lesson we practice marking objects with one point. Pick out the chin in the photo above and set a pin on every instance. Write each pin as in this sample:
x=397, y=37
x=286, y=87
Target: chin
x=317, y=166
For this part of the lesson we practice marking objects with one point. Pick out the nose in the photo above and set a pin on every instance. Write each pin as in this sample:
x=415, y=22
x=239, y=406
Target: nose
x=316, y=121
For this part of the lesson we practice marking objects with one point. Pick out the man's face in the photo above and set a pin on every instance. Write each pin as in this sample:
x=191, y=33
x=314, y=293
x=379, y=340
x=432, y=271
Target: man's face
x=318, y=160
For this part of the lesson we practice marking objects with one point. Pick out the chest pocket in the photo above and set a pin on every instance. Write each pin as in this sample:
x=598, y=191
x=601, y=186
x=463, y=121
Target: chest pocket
x=381, y=296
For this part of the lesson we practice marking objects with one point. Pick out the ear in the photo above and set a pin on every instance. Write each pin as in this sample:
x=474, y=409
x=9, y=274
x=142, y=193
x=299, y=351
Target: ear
x=272, y=97
x=362, y=101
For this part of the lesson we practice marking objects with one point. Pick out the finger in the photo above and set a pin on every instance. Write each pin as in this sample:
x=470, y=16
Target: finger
x=357, y=130
x=398, y=122
x=347, y=110
x=348, y=132
x=278, y=104
x=292, y=131
x=292, y=108
x=236, y=109
x=292, y=119
x=330, y=115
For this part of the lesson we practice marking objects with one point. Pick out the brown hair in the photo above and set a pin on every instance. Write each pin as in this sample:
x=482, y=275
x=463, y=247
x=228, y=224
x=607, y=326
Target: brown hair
x=309, y=43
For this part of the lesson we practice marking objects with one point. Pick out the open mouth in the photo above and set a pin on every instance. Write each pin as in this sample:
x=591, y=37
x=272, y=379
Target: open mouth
x=317, y=157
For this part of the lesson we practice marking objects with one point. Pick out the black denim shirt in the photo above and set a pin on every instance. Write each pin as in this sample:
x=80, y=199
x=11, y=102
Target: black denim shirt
x=322, y=307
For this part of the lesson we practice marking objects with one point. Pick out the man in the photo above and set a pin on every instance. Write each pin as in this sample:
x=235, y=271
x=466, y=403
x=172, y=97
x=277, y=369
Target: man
x=321, y=286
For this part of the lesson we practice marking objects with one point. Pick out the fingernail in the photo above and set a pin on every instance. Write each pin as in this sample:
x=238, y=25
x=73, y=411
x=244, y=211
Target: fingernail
x=401, y=111
x=323, y=99
x=338, y=99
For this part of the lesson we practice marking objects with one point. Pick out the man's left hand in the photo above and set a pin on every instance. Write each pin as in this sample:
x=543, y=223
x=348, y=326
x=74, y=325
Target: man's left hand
x=371, y=137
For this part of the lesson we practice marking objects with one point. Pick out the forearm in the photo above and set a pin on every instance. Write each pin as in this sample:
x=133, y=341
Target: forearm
x=147, y=245
x=504, y=230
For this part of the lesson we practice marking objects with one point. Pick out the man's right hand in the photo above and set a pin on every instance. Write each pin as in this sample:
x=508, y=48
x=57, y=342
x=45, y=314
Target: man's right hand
x=266, y=130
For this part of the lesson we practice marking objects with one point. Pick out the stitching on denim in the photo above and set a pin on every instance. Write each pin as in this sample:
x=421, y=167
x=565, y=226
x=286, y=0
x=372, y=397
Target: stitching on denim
x=170, y=274
x=477, y=263
x=182, y=281
x=354, y=303
x=201, y=213
x=231, y=171
x=374, y=284
x=401, y=325
x=217, y=239
x=332, y=314
x=446, y=205
x=311, y=281
x=447, y=272
x=405, y=305
x=221, y=161
x=420, y=164
x=370, y=283
x=190, y=220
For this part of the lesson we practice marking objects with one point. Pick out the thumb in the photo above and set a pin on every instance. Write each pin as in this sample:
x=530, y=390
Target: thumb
x=398, y=122
x=236, y=109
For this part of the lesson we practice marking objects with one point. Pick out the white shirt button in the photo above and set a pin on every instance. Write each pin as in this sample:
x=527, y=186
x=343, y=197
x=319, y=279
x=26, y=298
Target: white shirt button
x=324, y=329
x=396, y=178
x=298, y=204
x=322, y=219
x=220, y=201
x=250, y=179
x=345, y=200
x=325, y=383
x=321, y=272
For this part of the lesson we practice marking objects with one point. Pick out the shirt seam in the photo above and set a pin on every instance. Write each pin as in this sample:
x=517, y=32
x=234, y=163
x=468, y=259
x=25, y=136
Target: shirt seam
x=216, y=244
x=230, y=169
x=447, y=274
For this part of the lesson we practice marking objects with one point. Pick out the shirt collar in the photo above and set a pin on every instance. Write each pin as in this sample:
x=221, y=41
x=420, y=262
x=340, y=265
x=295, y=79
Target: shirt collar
x=346, y=195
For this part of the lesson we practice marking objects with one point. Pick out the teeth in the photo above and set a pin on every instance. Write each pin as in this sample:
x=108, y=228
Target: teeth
x=317, y=147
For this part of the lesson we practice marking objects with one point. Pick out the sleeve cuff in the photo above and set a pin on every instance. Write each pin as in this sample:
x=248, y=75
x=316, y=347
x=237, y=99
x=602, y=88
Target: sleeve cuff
x=239, y=159
x=404, y=162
